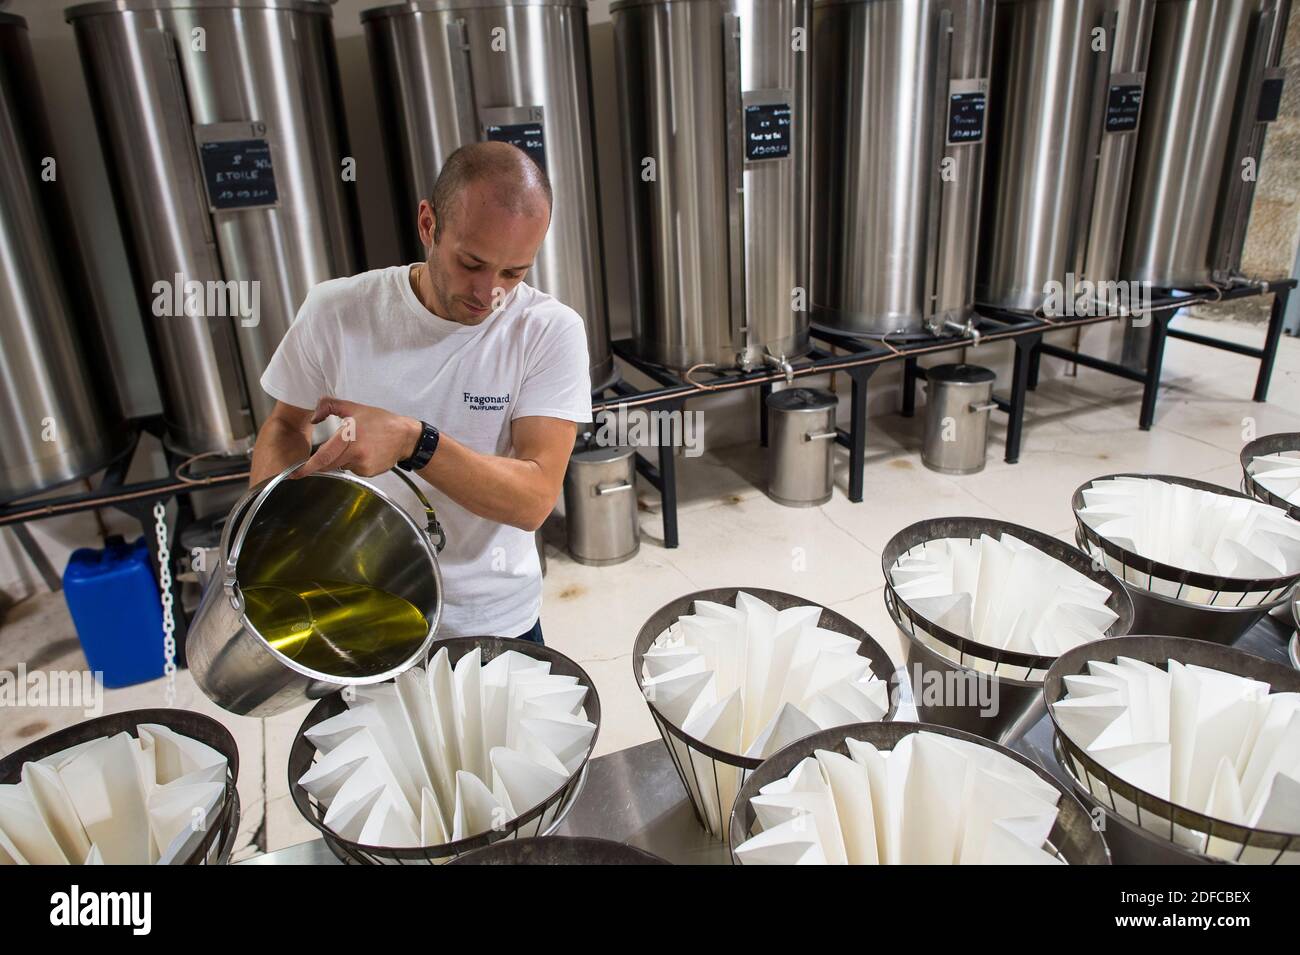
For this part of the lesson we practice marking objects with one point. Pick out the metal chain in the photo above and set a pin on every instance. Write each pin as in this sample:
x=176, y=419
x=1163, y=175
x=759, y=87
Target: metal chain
x=165, y=587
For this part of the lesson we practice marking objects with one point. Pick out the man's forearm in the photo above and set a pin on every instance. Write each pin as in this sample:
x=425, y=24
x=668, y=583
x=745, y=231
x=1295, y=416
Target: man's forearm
x=506, y=490
x=278, y=446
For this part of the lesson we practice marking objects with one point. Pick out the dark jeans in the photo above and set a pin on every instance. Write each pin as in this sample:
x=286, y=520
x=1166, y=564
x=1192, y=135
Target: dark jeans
x=535, y=634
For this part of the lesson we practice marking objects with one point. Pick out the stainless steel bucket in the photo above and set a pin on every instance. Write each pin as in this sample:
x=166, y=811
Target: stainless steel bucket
x=331, y=525
x=600, y=506
x=957, y=408
x=801, y=454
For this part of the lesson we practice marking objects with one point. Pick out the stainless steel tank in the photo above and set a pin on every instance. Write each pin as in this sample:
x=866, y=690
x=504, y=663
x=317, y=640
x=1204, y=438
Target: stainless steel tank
x=714, y=104
x=899, y=103
x=61, y=419
x=189, y=95
x=1213, y=83
x=451, y=72
x=1066, y=100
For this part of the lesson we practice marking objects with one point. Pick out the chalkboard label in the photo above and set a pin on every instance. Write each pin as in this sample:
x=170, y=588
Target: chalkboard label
x=966, y=117
x=526, y=136
x=1123, y=107
x=767, y=131
x=1270, y=100
x=239, y=174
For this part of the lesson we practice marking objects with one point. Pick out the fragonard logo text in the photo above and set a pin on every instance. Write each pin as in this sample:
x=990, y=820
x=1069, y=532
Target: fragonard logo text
x=103, y=908
x=486, y=402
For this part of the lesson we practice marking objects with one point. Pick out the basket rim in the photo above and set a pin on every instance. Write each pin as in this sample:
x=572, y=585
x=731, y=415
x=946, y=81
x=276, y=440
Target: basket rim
x=302, y=754
x=190, y=723
x=923, y=531
x=1281, y=679
x=1182, y=576
x=665, y=616
x=1269, y=444
x=784, y=762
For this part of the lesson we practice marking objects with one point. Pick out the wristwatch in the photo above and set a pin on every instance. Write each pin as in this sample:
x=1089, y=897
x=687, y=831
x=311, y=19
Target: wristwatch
x=424, y=449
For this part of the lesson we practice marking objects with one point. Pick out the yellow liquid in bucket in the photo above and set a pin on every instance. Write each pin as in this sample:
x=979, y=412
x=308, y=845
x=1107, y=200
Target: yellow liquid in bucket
x=347, y=630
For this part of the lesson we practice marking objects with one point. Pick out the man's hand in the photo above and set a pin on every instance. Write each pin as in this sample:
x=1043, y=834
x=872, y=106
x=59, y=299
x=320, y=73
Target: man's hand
x=369, y=442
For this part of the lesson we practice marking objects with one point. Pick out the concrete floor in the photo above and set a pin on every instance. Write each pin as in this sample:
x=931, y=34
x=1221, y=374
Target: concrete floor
x=1076, y=428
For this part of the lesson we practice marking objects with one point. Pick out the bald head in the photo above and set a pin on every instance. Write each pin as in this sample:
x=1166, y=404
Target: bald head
x=506, y=174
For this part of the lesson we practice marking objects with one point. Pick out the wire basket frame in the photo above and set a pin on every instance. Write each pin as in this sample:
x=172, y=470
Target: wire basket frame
x=1269, y=444
x=219, y=841
x=540, y=820
x=1175, y=583
x=1199, y=834
x=703, y=768
x=1017, y=668
x=1074, y=838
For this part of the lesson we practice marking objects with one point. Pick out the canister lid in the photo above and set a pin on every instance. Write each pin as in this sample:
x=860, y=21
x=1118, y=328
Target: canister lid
x=801, y=399
x=602, y=455
x=960, y=374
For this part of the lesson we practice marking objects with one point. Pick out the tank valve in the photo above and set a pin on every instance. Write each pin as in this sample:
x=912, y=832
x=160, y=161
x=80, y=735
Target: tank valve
x=966, y=329
x=779, y=361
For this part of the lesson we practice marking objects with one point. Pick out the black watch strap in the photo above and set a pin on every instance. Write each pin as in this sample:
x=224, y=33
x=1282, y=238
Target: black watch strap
x=424, y=449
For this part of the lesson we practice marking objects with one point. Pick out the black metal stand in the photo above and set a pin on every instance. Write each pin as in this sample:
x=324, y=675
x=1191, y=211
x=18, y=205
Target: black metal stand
x=1165, y=307
x=863, y=356
x=136, y=500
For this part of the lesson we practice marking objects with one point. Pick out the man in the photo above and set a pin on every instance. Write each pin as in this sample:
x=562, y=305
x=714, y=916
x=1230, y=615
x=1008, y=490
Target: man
x=456, y=370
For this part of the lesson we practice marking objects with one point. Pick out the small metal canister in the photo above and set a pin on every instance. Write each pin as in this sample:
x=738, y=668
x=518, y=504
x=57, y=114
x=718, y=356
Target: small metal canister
x=959, y=400
x=801, y=439
x=600, y=506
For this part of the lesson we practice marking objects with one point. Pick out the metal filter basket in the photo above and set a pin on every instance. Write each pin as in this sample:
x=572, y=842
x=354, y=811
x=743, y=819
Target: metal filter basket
x=540, y=820
x=1073, y=838
x=697, y=763
x=1141, y=828
x=1012, y=680
x=1158, y=590
x=219, y=840
x=1269, y=444
x=559, y=850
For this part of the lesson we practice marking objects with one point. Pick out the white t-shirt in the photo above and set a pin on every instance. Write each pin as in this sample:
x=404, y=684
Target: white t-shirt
x=368, y=339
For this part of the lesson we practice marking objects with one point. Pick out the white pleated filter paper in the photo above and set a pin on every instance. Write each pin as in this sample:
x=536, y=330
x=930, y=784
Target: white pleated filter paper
x=1004, y=594
x=749, y=679
x=1210, y=741
x=931, y=800
x=1192, y=529
x=1279, y=474
x=116, y=800
x=447, y=753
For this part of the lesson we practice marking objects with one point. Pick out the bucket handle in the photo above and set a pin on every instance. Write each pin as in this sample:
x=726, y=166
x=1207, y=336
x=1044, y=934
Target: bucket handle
x=437, y=536
x=252, y=501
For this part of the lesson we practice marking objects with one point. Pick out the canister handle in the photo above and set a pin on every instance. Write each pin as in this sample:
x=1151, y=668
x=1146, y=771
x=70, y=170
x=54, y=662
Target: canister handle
x=603, y=489
x=251, y=501
x=433, y=528
x=981, y=408
x=821, y=435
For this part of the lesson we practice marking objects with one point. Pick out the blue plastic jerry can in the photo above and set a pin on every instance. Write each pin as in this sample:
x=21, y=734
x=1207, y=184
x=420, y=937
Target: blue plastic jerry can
x=113, y=598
